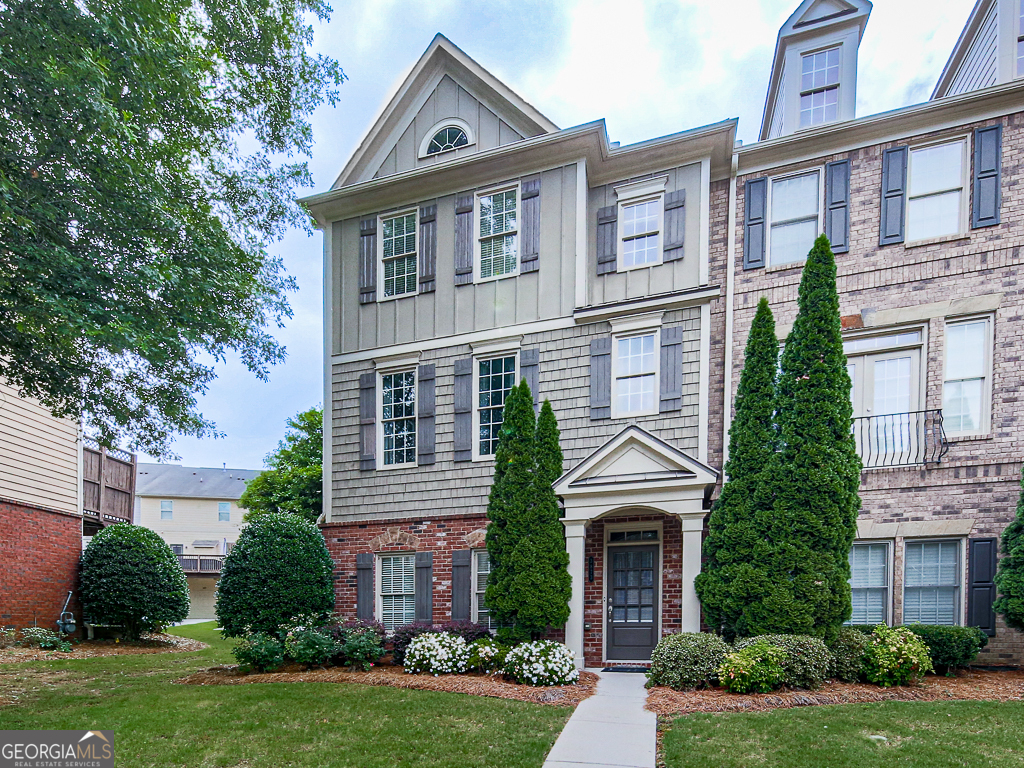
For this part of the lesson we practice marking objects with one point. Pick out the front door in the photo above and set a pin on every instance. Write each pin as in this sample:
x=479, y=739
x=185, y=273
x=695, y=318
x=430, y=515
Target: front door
x=632, y=602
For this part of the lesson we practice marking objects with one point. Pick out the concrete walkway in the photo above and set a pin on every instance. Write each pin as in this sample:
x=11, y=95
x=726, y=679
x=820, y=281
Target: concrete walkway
x=610, y=729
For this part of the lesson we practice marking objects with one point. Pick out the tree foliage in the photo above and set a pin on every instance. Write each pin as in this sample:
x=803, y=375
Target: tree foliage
x=279, y=569
x=294, y=482
x=728, y=577
x=529, y=586
x=1010, y=571
x=132, y=579
x=147, y=160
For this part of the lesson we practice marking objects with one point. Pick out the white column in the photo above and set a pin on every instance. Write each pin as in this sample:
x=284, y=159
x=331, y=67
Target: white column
x=575, y=538
x=692, y=533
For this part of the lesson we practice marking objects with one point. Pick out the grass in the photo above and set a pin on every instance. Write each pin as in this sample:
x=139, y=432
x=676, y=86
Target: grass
x=919, y=735
x=157, y=723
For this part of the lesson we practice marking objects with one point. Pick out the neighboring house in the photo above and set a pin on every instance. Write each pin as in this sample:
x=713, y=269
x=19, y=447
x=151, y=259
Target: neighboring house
x=195, y=510
x=469, y=242
x=40, y=511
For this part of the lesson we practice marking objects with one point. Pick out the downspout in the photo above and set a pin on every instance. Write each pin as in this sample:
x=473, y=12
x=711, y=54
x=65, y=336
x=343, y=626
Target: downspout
x=730, y=288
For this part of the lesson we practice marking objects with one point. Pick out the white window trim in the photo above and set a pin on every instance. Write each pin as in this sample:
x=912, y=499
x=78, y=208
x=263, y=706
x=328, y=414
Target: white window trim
x=890, y=569
x=381, y=218
x=986, y=389
x=500, y=348
x=800, y=92
x=448, y=122
x=219, y=511
x=473, y=574
x=659, y=579
x=965, y=192
x=171, y=510
x=378, y=603
x=820, y=170
x=960, y=603
x=402, y=366
x=647, y=331
x=477, y=249
x=634, y=193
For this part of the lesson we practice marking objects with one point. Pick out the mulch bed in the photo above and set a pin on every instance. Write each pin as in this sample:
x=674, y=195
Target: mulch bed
x=967, y=686
x=472, y=684
x=150, y=643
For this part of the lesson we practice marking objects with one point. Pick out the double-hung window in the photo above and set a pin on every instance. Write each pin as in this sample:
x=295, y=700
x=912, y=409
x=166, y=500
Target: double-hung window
x=635, y=369
x=398, y=418
x=494, y=381
x=166, y=509
x=482, y=566
x=869, y=583
x=935, y=192
x=819, y=87
x=178, y=549
x=931, y=584
x=964, y=390
x=397, y=590
x=641, y=233
x=398, y=254
x=224, y=511
x=498, y=233
x=795, y=217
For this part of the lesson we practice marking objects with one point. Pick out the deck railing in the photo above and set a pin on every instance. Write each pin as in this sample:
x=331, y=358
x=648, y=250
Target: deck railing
x=900, y=439
x=201, y=563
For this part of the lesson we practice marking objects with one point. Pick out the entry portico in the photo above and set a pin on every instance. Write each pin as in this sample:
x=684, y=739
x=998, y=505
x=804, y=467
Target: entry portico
x=639, y=491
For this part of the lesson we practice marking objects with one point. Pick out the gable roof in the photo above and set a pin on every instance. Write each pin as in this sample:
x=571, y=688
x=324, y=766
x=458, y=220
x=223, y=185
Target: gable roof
x=441, y=57
x=175, y=481
x=964, y=45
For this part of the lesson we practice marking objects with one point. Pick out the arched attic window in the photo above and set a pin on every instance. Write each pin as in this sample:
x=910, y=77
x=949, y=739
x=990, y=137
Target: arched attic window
x=446, y=136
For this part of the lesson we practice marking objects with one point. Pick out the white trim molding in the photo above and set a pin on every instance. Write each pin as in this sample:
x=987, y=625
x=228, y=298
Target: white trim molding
x=448, y=122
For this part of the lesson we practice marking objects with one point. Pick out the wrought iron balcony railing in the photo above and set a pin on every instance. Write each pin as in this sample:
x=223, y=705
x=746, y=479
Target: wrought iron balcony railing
x=201, y=563
x=900, y=439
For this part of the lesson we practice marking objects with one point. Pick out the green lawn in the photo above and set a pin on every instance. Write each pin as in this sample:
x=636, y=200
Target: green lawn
x=919, y=735
x=157, y=723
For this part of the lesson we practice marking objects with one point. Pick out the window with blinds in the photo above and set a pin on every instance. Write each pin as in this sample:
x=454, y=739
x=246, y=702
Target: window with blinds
x=869, y=583
x=397, y=590
x=499, y=228
x=931, y=587
x=483, y=569
x=399, y=254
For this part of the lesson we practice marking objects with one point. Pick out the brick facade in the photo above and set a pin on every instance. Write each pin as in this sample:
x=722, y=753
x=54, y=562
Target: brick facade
x=40, y=550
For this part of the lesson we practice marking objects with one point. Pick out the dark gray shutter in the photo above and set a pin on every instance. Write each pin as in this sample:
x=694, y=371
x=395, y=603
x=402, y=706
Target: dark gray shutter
x=987, y=176
x=425, y=587
x=464, y=239
x=368, y=261
x=464, y=409
x=894, y=195
x=601, y=378
x=837, y=205
x=675, y=225
x=671, y=369
x=462, y=584
x=364, y=586
x=425, y=415
x=607, y=235
x=981, y=588
x=428, y=248
x=529, y=238
x=367, y=421
x=755, y=204
x=529, y=363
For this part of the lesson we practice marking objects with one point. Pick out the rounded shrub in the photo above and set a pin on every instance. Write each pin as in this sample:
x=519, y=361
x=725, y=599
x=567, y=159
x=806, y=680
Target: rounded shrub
x=279, y=569
x=436, y=653
x=487, y=655
x=687, y=660
x=360, y=648
x=848, y=655
x=132, y=579
x=259, y=652
x=895, y=656
x=309, y=646
x=404, y=635
x=950, y=647
x=807, y=663
x=756, y=668
x=542, y=662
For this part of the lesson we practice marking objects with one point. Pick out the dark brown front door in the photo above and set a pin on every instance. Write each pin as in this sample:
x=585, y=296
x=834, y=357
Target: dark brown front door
x=632, y=602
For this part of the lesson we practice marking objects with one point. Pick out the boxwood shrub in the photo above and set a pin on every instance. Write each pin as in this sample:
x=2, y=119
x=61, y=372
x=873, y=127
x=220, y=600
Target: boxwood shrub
x=950, y=647
x=687, y=660
x=807, y=663
x=848, y=655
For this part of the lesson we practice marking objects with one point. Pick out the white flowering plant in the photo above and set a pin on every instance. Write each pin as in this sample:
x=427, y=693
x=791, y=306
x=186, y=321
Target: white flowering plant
x=436, y=653
x=543, y=662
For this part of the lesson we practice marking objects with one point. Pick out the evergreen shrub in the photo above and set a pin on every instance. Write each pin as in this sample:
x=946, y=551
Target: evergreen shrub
x=1010, y=570
x=436, y=653
x=467, y=630
x=807, y=663
x=687, y=660
x=360, y=649
x=487, y=655
x=309, y=646
x=757, y=668
x=950, y=647
x=259, y=652
x=542, y=662
x=132, y=579
x=848, y=654
x=895, y=656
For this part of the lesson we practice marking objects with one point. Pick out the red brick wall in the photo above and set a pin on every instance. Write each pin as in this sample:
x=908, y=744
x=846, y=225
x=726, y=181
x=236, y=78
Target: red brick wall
x=40, y=551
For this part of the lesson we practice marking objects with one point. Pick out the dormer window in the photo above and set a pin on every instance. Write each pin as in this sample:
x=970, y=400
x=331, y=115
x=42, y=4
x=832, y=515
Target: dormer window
x=448, y=138
x=819, y=88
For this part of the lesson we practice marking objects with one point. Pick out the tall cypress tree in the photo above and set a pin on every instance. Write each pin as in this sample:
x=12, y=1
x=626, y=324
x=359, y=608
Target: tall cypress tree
x=1010, y=571
x=806, y=514
x=549, y=452
x=728, y=577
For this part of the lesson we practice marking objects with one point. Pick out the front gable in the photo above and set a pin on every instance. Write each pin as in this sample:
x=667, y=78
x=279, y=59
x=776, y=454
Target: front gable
x=445, y=88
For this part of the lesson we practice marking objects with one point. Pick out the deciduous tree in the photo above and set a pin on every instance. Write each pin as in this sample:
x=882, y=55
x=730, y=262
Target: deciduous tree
x=294, y=481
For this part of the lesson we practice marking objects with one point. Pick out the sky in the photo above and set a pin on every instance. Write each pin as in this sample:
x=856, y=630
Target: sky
x=648, y=67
